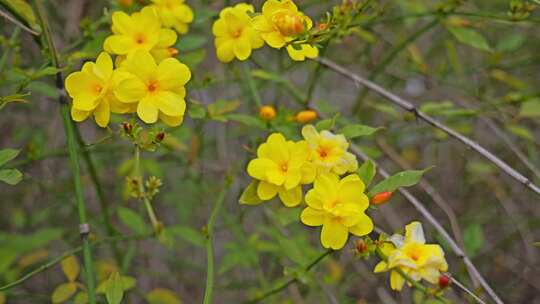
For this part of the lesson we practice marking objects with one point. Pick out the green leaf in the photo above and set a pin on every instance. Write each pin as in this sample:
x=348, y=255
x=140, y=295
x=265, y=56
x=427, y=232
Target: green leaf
x=357, y=130
x=10, y=176
x=367, y=171
x=63, y=292
x=530, y=108
x=218, y=109
x=249, y=196
x=132, y=220
x=520, y=132
x=81, y=298
x=12, y=98
x=192, y=59
x=327, y=124
x=247, y=120
x=473, y=237
x=402, y=179
x=22, y=9
x=7, y=155
x=188, y=234
x=70, y=267
x=115, y=290
x=162, y=296
x=470, y=37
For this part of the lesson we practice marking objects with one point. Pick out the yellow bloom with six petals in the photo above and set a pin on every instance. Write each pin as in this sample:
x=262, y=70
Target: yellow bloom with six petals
x=414, y=257
x=281, y=167
x=280, y=24
x=338, y=205
x=158, y=89
x=92, y=91
x=329, y=151
x=140, y=31
x=174, y=13
x=235, y=37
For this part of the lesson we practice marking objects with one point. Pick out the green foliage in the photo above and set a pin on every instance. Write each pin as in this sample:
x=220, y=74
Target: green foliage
x=402, y=179
x=470, y=37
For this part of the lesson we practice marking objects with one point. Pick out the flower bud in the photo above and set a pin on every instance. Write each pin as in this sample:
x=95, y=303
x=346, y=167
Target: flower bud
x=381, y=198
x=159, y=137
x=306, y=116
x=361, y=246
x=125, y=2
x=322, y=26
x=267, y=113
x=289, y=23
x=172, y=51
x=444, y=281
x=128, y=128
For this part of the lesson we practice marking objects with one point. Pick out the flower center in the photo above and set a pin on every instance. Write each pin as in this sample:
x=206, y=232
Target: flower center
x=139, y=39
x=284, y=168
x=98, y=88
x=152, y=86
x=237, y=33
x=323, y=152
x=289, y=23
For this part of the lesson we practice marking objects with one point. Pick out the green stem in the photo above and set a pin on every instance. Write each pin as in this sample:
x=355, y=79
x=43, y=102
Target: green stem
x=64, y=255
x=10, y=45
x=209, y=289
x=288, y=282
x=147, y=204
x=73, y=155
x=101, y=196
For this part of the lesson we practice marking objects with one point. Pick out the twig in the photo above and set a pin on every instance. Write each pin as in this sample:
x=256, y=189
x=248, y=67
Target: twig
x=288, y=282
x=408, y=106
x=246, y=73
x=73, y=251
x=84, y=228
x=465, y=289
x=209, y=289
x=18, y=23
x=433, y=221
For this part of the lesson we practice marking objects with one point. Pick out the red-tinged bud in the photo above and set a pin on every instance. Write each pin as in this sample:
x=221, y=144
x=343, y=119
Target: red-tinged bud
x=361, y=246
x=160, y=136
x=172, y=51
x=128, y=128
x=381, y=198
x=322, y=26
x=444, y=281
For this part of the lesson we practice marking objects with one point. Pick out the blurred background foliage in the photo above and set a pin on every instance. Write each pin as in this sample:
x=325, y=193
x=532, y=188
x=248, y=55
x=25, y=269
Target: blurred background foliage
x=473, y=65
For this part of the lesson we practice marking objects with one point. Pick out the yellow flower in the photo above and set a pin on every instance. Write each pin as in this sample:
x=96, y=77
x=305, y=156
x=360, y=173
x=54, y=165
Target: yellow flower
x=414, y=257
x=140, y=31
x=280, y=24
x=267, y=113
x=329, y=151
x=92, y=91
x=158, y=89
x=174, y=13
x=339, y=206
x=235, y=37
x=282, y=167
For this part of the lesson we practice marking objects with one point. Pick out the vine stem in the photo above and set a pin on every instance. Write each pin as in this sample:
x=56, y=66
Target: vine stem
x=290, y=281
x=84, y=228
x=209, y=289
x=246, y=71
x=64, y=255
x=408, y=106
x=149, y=209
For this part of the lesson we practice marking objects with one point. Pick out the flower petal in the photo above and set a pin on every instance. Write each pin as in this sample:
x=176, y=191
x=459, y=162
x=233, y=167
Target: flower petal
x=312, y=217
x=292, y=197
x=333, y=235
x=364, y=226
x=170, y=103
x=147, y=110
x=102, y=114
x=172, y=74
x=266, y=191
x=258, y=167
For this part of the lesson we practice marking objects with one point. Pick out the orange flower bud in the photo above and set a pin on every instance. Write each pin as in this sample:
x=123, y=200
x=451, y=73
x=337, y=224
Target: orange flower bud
x=322, y=26
x=361, y=246
x=128, y=128
x=444, y=281
x=381, y=198
x=289, y=23
x=125, y=2
x=159, y=137
x=306, y=116
x=172, y=51
x=267, y=113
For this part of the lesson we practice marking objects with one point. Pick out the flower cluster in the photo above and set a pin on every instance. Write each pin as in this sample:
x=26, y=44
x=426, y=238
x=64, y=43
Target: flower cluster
x=147, y=79
x=239, y=30
x=413, y=257
x=336, y=203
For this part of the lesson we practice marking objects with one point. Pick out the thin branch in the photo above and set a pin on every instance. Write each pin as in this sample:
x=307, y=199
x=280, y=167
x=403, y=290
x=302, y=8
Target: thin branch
x=209, y=289
x=408, y=106
x=466, y=290
x=18, y=23
x=62, y=256
x=435, y=223
x=288, y=282
x=84, y=228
